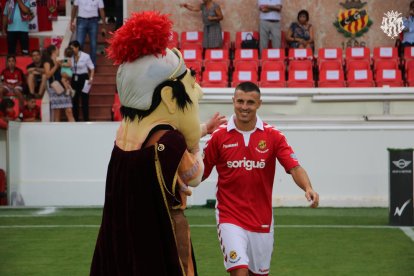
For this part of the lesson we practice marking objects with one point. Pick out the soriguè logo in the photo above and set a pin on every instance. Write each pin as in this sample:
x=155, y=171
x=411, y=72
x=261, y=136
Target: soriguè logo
x=247, y=164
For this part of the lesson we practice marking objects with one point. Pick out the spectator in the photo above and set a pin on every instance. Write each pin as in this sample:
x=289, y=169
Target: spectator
x=7, y=112
x=83, y=70
x=408, y=31
x=12, y=80
x=300, y=34
x=31, y=111
x=16, y=17
x=211, y=15
x=244, y=152
x=36, y=80
x=52, y=72
x=87, y=22
x=270, y=23
x=66, y=71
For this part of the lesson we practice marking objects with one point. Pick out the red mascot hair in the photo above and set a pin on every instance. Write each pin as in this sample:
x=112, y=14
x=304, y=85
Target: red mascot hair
x=144, y=33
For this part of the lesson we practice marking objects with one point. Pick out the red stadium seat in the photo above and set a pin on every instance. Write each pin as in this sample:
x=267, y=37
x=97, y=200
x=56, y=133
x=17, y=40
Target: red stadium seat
x=331, y=78
x=410, y=78
x=22, y=62
x=360, y=78
x=273, y=55
x=216, y=78
x=357, y=53
x=295, y=54
x=196, y=66
x=3, y=45
x=192, y=37
x=116, y=106
x=330, y=65
x=389, y=77
x=300, y=74
x=245, y=75
x=192, y=54
x=242, y=55
x=331, y=55
x=216, y=55
x=273, y=74
x=226, y=40
x=173, y=42
x=355, y=64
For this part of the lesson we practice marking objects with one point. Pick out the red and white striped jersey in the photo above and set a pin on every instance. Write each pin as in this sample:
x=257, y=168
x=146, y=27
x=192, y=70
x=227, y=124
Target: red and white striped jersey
x=246, y=172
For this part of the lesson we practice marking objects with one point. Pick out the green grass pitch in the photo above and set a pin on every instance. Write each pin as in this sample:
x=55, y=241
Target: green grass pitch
x=324, y=241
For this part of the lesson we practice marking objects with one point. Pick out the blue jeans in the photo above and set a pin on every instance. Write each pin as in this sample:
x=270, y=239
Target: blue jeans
x=88, y=26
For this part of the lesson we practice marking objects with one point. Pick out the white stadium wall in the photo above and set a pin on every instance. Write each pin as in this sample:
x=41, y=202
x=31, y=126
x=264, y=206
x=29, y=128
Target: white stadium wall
x=65, y=164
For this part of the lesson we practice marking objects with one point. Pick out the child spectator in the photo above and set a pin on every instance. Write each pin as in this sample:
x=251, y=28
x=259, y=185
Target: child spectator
x=66, y=71
x=12, y=80
x=31, y=111
x=7, y=113
x=36, y=80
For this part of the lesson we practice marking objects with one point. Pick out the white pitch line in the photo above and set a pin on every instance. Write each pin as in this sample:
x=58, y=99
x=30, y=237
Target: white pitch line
x=404, y=229
x=408, y=231
x=46, y=211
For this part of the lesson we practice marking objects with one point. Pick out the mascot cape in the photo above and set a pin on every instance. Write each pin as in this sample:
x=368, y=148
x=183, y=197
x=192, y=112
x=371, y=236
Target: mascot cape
x=155, y=149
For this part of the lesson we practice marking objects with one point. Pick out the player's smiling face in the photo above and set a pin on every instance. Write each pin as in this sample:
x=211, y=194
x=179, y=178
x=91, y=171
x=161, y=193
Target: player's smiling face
x=245, y=106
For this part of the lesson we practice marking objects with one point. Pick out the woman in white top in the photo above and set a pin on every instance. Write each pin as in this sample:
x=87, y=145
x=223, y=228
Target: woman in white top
x=83, y=71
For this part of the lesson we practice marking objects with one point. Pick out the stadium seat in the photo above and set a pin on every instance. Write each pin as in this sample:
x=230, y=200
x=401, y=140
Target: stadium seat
x=332, y=55
x=22, y=62
x=191, y=38
x=298, y=54
x=216, y=55
x=300, y=74
x=226, y=40
x=242, y=55
x=241, y=65
x=357, y=53
x=331, y=78
x=116, y=106
x=2, y=62
x=245, y=75
x=173, y=42
x=387, y=54
x=3, y=45
x=215, y=78
x=409, y=66
x=196, y=66
x=34, y=44
x=273, y=55
x=360, y=78
x=241, y=35
x=330, y=65
x=273, y=74
x=410, y=78
x=192, y=54
x=358, y=64
x=389, y=77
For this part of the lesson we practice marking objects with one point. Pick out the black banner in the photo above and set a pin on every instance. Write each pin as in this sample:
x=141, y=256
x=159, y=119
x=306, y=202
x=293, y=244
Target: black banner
x=401, y=187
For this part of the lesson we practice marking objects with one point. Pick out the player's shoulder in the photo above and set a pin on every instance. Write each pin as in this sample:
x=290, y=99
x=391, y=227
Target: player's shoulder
x=221, y=130
x=271, y=129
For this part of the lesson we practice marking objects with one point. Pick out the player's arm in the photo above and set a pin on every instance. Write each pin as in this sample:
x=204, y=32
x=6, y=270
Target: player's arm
x=301, y=179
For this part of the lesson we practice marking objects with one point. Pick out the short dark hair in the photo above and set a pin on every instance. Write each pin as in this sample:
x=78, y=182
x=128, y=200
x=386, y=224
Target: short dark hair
x=11, y=56
x=30, y=97
x=179, y=93
x=248, y=86
x=35, y=51
x=6, y=103
x=305, y=13
x=75, y=44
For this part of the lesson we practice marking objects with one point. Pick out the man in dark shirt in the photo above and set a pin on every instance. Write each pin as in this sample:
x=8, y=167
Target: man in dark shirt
x=36, y=80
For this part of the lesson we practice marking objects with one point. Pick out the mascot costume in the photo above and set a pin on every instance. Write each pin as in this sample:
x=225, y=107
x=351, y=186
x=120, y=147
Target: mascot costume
x=155, y=156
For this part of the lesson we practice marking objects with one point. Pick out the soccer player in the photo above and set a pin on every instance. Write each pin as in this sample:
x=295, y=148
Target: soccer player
x=244, y=152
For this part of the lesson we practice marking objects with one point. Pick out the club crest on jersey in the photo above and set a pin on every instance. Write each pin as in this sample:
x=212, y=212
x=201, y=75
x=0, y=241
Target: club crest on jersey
x=233, y=257
x=262, y=147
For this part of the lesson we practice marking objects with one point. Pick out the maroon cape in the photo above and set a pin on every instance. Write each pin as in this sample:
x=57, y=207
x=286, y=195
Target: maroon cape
x=136, y=235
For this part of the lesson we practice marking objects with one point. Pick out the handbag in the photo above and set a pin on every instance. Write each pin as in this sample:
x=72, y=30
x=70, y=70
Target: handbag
x=57, y=87
x=250, y=42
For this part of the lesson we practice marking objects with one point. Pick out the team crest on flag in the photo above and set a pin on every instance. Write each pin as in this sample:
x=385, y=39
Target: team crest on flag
x=354, y=20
